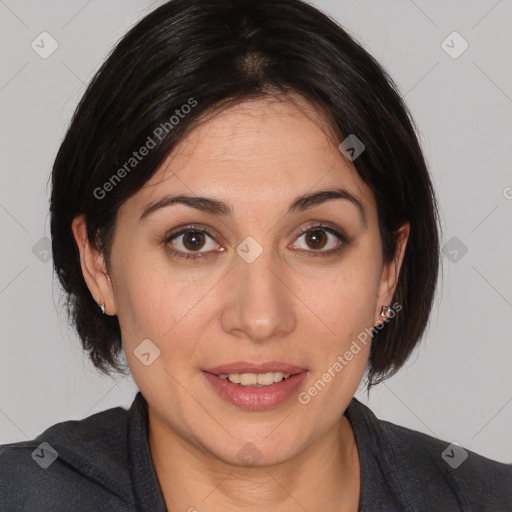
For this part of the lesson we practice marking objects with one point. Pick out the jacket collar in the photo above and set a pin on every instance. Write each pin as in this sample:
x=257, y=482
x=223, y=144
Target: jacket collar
x=146, y=487
x=404, y=460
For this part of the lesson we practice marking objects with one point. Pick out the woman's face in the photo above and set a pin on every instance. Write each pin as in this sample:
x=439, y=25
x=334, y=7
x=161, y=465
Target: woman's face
x=268, y=284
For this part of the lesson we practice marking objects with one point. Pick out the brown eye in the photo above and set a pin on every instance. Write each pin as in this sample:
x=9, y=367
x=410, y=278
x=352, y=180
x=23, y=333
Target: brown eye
x=193, y=240
x=320, y=239
x=191, y=243
x=316, y=239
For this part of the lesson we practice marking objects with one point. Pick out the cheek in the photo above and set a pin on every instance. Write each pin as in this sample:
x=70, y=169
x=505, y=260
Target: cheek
x=159, y=304
x=343, y=302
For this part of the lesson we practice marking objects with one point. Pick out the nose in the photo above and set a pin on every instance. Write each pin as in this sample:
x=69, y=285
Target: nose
x=260, y=303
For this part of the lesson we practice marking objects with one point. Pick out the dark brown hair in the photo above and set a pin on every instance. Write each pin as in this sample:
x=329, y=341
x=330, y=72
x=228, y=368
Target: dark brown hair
x=216, y=52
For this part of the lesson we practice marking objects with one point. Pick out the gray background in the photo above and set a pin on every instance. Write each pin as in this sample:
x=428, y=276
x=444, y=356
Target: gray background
x=457, y=386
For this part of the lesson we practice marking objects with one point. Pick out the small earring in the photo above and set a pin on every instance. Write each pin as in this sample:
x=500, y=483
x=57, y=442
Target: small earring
x=102, y=307
x=384, y=312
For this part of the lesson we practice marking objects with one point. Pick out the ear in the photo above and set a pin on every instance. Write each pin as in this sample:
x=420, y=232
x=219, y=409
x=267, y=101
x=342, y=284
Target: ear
x=391, y=271
x=93, y=267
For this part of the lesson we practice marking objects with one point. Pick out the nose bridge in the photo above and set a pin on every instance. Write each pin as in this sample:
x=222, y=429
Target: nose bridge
x=261, y=305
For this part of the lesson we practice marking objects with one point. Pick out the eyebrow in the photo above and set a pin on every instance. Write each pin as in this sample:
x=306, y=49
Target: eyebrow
x=216, y=207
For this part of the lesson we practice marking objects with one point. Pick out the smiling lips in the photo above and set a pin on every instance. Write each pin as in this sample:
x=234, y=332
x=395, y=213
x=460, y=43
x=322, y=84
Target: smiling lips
x=256, y=386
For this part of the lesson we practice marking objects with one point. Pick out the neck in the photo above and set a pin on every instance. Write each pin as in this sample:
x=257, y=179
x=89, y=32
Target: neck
x=325, y=476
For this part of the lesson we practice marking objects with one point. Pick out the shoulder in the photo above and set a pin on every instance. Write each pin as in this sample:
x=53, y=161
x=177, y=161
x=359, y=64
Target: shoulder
x=76, y=461
x=439, y=471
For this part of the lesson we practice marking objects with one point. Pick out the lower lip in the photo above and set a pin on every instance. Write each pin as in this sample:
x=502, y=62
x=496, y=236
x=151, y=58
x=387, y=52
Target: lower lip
x=256, y=398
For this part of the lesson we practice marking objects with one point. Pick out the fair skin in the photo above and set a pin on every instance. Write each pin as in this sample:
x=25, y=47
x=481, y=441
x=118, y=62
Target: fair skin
x=290, y=304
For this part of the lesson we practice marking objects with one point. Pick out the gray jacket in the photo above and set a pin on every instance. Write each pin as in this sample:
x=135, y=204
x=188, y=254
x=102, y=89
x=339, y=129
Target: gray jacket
x=103, y=463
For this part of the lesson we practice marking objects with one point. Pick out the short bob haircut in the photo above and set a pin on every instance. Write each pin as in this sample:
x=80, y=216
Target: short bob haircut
x=216, y=53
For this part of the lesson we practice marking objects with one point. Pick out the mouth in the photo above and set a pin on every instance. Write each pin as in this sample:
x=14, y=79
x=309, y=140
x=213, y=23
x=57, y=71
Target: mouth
x=256, y=386
x=255, y=374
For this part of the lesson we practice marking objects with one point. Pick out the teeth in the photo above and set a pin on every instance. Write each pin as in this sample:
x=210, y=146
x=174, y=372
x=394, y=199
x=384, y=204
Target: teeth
x=253, y=379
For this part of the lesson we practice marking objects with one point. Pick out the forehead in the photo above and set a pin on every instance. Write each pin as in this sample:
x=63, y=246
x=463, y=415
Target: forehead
x=259, y=129
x=259, y=150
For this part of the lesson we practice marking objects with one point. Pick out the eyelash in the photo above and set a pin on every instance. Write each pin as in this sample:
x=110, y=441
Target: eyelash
x=198, y=255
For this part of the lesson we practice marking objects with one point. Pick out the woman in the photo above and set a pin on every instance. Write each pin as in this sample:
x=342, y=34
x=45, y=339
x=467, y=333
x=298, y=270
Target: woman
x=241, y=209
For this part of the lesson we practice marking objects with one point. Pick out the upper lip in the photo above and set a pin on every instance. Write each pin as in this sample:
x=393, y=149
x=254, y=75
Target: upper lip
x=248, y=367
